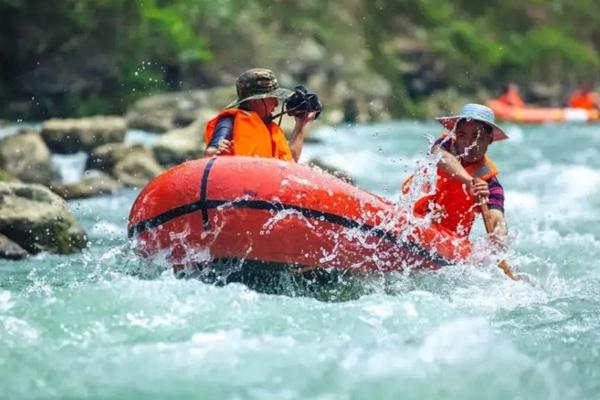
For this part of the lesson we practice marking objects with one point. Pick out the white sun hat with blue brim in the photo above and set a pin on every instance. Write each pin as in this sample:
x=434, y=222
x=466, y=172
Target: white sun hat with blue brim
x=475, y=112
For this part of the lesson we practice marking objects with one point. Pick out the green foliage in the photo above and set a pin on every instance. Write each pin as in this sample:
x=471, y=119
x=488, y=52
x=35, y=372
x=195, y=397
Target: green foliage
x=82, y=57
x=175, y=23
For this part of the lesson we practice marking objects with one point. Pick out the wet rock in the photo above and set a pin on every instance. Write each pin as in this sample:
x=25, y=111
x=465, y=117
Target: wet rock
x=26, y=156
x=131, y=164
x=337, y=172
x=11, y=250
x=38, y=220
x=188, y=116
x=7, y=177
x=105, y=157
x=137, y=169
x=93, y=183
x=181, y=145
x=68, y=136
x=153, y=115
x=164, y=112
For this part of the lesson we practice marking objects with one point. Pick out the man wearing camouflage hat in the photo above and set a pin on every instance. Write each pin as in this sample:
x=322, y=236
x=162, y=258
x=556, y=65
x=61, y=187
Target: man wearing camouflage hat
x=246, y=128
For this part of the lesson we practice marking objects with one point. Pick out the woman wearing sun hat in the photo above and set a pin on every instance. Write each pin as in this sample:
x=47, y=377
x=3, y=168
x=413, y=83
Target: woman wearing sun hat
x=466, y=176
x=245, y=126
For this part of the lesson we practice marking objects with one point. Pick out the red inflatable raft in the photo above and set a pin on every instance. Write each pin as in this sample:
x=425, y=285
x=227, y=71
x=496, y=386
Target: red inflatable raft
x=540, y=115
x=281, y=215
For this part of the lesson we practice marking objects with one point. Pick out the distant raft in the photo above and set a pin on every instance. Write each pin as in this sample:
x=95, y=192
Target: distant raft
x=269, y=214
x=540, y=115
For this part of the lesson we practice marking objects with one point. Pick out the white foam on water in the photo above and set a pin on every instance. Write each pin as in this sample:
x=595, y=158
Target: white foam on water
x=522, y=201
x=555, y=192
x=459, y=332
x=460, y=343
x=5, y=300
x=70, y=166
x=134, y=136
x=105, y=228
x=454, y=341
x=18, y=331
x=515, y=133
x=139, y=319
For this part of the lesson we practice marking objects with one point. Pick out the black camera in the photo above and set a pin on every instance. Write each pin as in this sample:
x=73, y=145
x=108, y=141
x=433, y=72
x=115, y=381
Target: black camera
x=301, y=103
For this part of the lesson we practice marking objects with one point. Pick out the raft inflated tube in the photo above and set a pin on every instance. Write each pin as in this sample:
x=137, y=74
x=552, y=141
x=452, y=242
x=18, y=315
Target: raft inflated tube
x=540, y=115
x=278, y=213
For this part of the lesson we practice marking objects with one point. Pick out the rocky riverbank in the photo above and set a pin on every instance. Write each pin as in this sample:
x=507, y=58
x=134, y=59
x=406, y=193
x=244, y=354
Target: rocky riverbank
x=34, y=216
x=30, y=179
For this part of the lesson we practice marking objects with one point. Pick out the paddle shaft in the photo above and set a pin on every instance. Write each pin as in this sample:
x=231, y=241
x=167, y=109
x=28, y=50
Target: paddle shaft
x=489, y=228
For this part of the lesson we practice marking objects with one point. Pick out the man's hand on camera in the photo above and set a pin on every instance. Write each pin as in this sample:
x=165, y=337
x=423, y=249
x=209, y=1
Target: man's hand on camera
x=302, y=121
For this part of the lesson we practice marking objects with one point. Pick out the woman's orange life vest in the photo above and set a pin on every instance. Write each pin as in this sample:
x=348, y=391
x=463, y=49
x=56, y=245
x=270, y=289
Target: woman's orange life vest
x=453, y=206
x=588, y=101
x=252, y=136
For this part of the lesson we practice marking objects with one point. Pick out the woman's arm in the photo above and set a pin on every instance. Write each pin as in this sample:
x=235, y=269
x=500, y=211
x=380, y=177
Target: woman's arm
x=452, y=166
x=499, y=229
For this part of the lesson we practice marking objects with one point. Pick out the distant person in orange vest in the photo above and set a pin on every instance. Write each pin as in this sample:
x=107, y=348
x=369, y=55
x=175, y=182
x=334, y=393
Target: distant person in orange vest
x=246, y=126
x=511, y=96
x=466, y=176
x=584, y=98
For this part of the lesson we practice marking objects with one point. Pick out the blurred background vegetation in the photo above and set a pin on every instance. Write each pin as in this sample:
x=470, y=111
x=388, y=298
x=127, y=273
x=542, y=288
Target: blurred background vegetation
x=83, y=57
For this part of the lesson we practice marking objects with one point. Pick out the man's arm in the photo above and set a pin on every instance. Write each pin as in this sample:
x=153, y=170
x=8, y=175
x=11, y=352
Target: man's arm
x=297, y=141
x=220, y=143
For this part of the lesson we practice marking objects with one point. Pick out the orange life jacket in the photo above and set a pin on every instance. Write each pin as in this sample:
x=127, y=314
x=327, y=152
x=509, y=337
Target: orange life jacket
x=453, y=206
x=588, y=101
x=252, y=136
x=512, y=98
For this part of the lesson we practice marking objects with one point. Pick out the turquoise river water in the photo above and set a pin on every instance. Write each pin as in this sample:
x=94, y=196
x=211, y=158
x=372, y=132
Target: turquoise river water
x=82, y=327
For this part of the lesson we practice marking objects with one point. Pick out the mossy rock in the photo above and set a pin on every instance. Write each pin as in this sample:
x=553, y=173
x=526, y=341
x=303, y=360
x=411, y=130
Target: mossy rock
x=38, y=220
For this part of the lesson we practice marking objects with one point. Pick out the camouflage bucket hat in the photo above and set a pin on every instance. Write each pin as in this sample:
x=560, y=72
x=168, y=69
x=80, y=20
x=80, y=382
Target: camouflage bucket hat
x=258, y=83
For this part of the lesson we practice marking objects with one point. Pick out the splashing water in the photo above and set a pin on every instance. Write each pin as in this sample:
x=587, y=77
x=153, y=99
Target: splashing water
x=84, y=326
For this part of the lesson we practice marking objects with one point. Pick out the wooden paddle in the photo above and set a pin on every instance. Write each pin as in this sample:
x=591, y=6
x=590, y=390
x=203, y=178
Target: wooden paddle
x=503, y=265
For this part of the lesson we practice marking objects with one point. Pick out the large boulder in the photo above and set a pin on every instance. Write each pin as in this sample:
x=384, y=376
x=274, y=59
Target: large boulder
x=67, y=136
x=26, y=156
x=137, y=169
x=154, y=114
x=38, y=220
x=105, y=157
x=93, y=183
x=180, y=145
x=164, y=112
x=131, y=164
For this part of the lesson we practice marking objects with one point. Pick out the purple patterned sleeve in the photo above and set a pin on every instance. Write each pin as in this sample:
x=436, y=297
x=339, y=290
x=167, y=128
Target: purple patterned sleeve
x=496, y=199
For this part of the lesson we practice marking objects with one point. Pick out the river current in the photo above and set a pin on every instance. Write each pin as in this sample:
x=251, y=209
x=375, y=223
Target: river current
x=81, y=326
